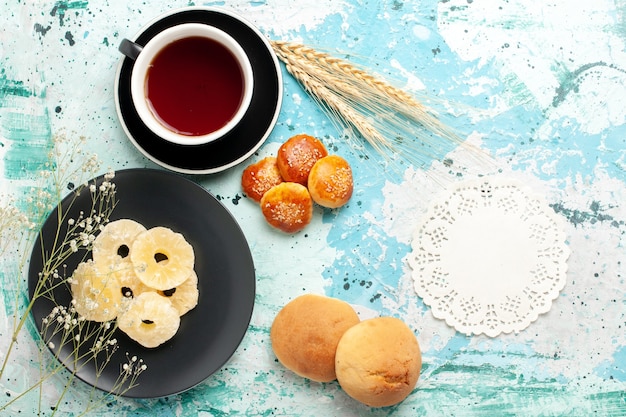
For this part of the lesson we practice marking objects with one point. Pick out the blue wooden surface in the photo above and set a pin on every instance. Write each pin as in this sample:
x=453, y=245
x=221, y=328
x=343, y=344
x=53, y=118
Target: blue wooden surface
x=540, y=85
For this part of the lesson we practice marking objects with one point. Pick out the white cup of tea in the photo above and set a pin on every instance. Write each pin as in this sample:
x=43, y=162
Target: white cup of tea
x=191, y=83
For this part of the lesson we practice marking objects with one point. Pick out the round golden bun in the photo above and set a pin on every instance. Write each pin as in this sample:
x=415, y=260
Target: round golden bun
x=297, y=155
x=330, y=181
x=305, y=334
x=378, y=361
x=259, y=177
x=287, y=206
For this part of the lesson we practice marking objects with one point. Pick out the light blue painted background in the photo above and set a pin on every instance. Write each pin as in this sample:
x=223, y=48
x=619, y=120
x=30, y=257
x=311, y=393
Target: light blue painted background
x=541, y=85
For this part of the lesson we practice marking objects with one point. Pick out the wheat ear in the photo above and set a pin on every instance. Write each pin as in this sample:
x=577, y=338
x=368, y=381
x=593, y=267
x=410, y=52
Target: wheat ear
x=302, y=56
x=392, y=121
x=328, y=99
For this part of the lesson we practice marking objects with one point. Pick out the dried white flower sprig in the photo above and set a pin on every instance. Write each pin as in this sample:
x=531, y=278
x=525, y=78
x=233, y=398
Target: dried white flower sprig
x=73, y=339
x=394, y=123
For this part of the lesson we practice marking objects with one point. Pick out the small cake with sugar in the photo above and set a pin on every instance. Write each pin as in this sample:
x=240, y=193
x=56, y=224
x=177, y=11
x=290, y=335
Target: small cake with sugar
x=259, y=177
x=288, y=207
x=297, y=155
x=330, y=181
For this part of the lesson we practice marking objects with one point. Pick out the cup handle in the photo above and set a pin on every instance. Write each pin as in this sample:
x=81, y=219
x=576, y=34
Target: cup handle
x=130, y=49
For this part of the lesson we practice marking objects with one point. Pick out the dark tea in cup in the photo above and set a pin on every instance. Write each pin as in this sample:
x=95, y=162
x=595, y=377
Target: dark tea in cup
x=191, y=83
x=194, y=86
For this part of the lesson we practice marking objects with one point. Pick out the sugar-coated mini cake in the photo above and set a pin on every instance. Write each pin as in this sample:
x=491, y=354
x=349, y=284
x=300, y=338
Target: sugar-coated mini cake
x=297, y=155
x=305, y=334
x=259, y=177
x=287, y=206
x=378, y=361
x=330, y=181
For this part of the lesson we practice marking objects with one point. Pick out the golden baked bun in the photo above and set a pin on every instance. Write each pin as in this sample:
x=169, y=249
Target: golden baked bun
x=330, y=181
x=378, y=361
x=305, y=334
x=287, y=206
x=259, y=177
x=297, y=155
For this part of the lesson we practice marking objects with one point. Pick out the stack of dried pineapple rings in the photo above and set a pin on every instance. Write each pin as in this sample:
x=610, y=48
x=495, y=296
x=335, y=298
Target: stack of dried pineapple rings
x=142, y=277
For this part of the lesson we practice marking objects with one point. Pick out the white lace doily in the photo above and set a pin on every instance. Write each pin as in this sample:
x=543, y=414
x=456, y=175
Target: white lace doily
x=489, y=256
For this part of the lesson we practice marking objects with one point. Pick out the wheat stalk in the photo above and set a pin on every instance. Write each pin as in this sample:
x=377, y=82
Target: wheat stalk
x=333, y=103
x=393, y=122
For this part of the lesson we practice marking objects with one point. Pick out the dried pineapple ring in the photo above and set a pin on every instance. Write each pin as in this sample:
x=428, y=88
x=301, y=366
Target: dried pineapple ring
x=115, y=240
x=162, y=258
x=96, y=291
x=151, y=320
x=185, y=296
x=130, y=284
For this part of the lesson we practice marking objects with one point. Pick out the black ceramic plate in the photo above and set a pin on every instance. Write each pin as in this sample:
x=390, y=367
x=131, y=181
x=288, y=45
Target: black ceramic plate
x=211, y=332
x=256, y=124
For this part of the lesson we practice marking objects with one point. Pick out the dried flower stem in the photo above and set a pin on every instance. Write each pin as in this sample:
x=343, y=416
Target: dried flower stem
x=392, y=121
x=89, y=343
x=61, y=250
